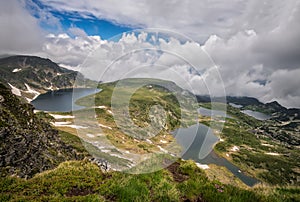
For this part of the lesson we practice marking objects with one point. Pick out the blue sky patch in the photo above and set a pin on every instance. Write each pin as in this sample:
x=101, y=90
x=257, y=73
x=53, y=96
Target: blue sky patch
x=87, y=22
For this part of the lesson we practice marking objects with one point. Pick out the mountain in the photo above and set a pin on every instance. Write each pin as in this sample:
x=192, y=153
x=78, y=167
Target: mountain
x=274, y=109
x=28, y=76
x=28, y=144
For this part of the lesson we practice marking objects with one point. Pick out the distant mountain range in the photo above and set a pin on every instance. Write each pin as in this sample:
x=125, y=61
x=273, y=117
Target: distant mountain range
x=274, y=109
x=28, y=76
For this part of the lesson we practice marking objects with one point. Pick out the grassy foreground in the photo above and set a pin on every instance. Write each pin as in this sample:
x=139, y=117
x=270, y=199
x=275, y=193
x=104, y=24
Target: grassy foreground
x=84, y=181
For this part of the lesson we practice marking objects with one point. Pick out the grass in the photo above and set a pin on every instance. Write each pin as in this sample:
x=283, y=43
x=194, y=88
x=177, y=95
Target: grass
x=237, y=131
x=223, y=175
x=142, y=102
x=252, y=156
x=84, y=181
x=181, y=181
x=86, y=149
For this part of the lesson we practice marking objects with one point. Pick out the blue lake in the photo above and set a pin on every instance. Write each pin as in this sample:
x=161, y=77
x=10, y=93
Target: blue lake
x=62, y=100
x=213, y=113
x=197, y=142
x=257, y=115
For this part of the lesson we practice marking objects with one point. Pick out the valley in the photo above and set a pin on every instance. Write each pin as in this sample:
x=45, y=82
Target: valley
x=142, y=141
x=263, y=154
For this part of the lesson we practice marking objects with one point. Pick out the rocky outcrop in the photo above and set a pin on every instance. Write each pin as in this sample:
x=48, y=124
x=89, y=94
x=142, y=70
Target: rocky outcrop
x=28, y=144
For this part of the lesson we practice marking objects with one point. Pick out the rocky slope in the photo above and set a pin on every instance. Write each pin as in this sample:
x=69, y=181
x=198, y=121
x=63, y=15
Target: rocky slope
x=28, y=145
x=28, y=76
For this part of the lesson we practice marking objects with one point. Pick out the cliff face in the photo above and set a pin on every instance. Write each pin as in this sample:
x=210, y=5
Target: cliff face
x=28, y=76
x=28, y=145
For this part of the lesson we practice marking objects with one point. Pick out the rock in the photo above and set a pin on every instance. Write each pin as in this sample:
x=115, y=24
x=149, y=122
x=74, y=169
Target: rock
x=28, y=144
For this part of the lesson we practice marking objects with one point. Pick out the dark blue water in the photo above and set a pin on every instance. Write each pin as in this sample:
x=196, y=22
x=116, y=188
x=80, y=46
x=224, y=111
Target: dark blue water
x=257, y=115
x=212, y=113
x=197, y=142
x=62, y=100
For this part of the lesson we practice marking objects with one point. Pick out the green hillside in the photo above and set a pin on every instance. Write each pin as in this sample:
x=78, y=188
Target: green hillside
x=56, y=176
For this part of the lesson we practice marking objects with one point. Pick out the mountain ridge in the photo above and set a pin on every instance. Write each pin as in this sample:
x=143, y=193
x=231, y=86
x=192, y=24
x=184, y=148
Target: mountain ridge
x=29, y=76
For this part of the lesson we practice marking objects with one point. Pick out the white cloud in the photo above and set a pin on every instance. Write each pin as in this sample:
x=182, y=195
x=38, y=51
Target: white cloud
x=284, y=85
x=241, y=70
x=69, y=51
x=20, y=31
x=255, y=44
x=198, y=19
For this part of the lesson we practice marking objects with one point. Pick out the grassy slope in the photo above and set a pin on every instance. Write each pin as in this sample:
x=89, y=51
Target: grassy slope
x=84, y=181
x=252, y=156
x=140, y=104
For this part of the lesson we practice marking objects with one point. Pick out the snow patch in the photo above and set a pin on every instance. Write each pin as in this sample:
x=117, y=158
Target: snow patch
x=267, y=145
x=104, y=126
x=99, y=107
x=50, y=87
x=202, y=166
x=16, y=70
x=90, y=135
x=162, y=149
x=65, y=124
x=61, y=123
x=31, y=91
x=75, y=126
x=163, y=141
x=272, y=154
x=235, y=148
x=149, y=141
x=57, y=116
x=15, y=90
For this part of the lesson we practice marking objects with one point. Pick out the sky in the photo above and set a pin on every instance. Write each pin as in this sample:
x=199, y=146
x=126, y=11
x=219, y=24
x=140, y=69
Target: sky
x=253, y=45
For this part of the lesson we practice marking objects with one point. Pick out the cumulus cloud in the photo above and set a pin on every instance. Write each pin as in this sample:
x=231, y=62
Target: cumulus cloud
x=254, y=45
x=138, y=54
x=265, y=59
x=198, y=19
x=20, y=31
x=284, y=87
x=67, y=50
